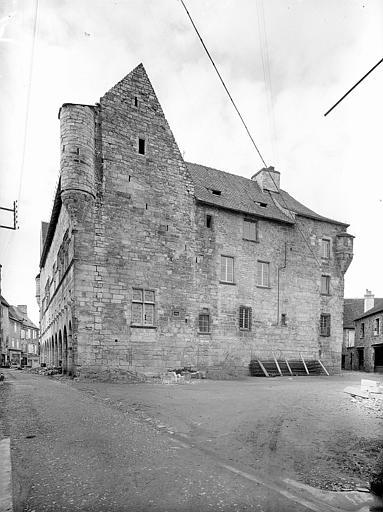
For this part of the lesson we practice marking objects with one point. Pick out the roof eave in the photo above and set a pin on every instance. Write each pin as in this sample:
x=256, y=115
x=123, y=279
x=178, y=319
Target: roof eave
x=245, y=212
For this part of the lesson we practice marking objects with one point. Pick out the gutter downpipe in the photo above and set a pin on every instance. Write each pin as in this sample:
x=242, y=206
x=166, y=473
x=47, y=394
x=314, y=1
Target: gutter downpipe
x=278, y=279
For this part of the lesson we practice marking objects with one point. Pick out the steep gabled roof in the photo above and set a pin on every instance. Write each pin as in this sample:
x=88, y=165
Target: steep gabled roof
x=244, y=195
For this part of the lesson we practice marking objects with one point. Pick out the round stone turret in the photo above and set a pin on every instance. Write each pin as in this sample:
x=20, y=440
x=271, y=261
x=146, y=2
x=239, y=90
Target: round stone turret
x=77, y=125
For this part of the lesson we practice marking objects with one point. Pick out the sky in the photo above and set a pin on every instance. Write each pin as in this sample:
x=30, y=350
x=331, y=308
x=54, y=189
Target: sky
x=285, y=64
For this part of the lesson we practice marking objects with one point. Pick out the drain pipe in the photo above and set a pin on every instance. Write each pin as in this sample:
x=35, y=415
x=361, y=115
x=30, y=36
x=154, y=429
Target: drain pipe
x=278, y=279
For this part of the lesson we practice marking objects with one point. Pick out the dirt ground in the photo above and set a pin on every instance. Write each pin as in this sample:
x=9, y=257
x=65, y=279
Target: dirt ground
x=303, y=428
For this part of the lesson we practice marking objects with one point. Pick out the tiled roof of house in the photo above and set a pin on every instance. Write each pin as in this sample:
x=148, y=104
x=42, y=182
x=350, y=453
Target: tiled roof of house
x=237, y=193
x=354, y=308
x=15, y=314
x=4, y=302
x=376, y=309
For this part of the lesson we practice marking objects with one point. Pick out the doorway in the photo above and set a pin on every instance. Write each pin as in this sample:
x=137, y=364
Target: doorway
x=378, y=359
x=361, y=359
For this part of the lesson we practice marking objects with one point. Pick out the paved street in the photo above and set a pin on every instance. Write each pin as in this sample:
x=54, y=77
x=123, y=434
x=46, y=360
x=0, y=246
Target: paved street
x=72, y=451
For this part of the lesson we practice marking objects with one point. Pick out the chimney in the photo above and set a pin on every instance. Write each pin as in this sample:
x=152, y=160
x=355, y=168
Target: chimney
x=23, y=309
x=368, y=300
x=268, y=179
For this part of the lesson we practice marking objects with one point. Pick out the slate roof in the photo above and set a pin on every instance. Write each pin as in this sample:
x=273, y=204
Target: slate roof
x=354, y=309
x=376, y=309
x=4, y=302
x=244, y=195
x=15, y=314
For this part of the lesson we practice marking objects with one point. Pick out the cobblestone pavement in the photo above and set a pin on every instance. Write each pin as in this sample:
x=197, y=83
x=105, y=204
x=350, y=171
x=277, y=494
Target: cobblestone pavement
x=72, y=452
x=96, y=447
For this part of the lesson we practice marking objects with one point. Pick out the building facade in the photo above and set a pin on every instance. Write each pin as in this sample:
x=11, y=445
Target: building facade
x=352, y=358
x=150, y=262
x=4, y=334
x=368, y=350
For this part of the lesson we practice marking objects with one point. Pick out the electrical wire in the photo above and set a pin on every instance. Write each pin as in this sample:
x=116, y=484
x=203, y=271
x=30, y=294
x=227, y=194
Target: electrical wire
x=223, y=83
x=247, y=130
x=29, y=88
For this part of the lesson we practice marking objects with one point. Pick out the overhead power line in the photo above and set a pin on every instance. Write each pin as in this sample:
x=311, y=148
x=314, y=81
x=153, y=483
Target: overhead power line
x=353, y=87
x=223, y=83
x=247, y=130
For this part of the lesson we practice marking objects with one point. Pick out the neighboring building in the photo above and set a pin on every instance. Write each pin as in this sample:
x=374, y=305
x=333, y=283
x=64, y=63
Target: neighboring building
x=354, y=308
x=29, y=336
x=150, y=262
x=4, y=334
x=20, y=336
x=14, y=349
x=369, y=341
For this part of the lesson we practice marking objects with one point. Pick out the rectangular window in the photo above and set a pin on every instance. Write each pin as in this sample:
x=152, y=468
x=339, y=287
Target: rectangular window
x=143, y=304
x=325, y=248
x=283, y=319
x=263, y=273
x=325, y=285
x=376, y=326
x=250, y=230
x=209, y=221
x=227, y=269
x=325, y=325
x=22, y=334
x=245, y=318
x=362, y=330
x=204, y=323
x=141, y=146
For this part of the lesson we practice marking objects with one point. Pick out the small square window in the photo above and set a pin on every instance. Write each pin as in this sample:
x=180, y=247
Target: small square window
x=227, y=269
x=325, y=285
x=141, y=146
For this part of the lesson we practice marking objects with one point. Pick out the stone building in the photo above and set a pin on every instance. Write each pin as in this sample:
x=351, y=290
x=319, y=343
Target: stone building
x=368, y=350
x=150, y=262
x=20, y=336
x=4, y=329
x=354, y=308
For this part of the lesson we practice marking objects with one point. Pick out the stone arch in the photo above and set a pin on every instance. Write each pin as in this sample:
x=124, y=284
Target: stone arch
x=70, y=350
x=60, y=351
x=65, y=350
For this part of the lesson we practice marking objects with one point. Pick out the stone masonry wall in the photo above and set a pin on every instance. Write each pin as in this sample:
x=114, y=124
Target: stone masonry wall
x=136, y=226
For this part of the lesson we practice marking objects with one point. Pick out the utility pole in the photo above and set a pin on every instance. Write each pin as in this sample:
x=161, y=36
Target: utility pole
x=14, y=211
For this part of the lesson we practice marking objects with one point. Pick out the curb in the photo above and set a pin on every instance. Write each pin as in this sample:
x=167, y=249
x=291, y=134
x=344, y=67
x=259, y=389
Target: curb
x=5, y=476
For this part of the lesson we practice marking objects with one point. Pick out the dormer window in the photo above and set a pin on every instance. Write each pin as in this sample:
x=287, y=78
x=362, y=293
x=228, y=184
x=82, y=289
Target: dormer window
x=262, y=205
x=215, y=192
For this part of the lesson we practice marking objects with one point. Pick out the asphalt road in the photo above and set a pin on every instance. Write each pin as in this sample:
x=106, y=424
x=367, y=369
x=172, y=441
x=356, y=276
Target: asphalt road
x=71, y=451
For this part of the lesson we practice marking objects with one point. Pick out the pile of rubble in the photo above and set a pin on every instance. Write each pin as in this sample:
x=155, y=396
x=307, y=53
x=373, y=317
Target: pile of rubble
x=181, y=375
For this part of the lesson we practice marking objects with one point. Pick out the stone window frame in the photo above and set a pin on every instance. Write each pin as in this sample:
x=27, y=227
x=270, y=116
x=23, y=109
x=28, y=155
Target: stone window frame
x=362, y=331
x=205, y=324
x=224, y=274
x=325, y=284
x=377, y=326
x=144, y=302
x=325, y=248
x=246, y=221
x=325, y=324
x=245, y=318
x=261, y=282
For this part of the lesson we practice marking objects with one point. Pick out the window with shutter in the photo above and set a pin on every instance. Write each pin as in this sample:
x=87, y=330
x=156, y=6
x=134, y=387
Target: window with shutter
x=227, y=269
x=245, y=318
